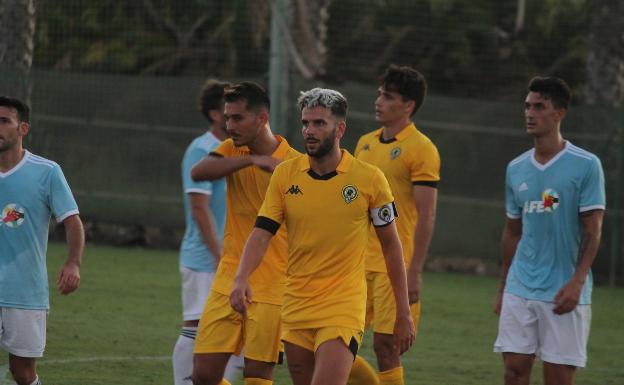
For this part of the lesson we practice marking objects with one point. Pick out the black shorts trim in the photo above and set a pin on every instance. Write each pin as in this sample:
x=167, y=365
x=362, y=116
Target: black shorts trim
x=267, y=224
x=428, y=183
x=280, y=358
x=354, y=347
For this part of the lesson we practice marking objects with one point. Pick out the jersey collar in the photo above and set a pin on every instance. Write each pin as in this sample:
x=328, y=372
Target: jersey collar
x=544, y=166
x=343, y=166
x=17, y=166
x=282, y=149
x=405, y=133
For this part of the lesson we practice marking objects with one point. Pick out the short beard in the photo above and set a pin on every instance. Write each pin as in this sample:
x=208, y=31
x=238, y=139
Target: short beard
x=325, y=147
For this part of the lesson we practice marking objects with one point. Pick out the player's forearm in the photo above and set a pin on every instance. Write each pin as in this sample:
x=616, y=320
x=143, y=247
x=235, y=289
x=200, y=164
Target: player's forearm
x=208, y=230
x=395, y=266
x=214, y=167
x=254, y=250
x=509, y=243
x=74, y=234
x=588, y=248
x=422, y=240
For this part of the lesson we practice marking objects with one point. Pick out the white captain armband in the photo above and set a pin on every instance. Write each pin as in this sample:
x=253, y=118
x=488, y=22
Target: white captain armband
x=384, y=215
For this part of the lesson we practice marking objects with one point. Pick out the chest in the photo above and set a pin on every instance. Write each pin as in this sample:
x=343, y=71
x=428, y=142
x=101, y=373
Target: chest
x=389, y=157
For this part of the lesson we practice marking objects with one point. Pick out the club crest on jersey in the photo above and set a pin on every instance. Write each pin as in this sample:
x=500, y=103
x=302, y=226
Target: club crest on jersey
x=349, y=193
x=395, y=152
x=549, y=203
x=12, y=215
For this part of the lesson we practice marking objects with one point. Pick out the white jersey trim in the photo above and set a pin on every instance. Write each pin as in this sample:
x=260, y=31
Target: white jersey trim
x=68, y=214
x=544, y=166
x=19, y=165
x=513, y=216
x=198, y=191
x=592, y=207
x=521, y=157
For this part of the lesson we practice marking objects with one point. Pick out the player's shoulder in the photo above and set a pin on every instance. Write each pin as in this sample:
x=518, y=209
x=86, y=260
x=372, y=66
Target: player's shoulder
x=520, y=159
x=206, y=142
x=292, y=162
x=370, y=136
x=364, y=167
x=39, y=162
x=580, y=154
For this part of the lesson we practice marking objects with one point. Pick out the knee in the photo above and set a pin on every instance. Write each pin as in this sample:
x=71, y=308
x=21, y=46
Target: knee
x=204, y=377
x=384, y=347
x=514, y=373
x=23, y=376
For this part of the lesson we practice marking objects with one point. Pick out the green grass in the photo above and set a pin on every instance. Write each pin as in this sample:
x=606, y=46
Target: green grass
x=121, y=325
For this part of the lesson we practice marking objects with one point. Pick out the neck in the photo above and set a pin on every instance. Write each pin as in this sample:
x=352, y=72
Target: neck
x=391, y=129
x=546, y=147
x=10, y=158
x=265, y=143
x=327, y=163
x=219, y=133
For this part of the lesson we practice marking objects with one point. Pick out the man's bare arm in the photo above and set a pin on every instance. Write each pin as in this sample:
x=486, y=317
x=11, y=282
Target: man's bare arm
x=512, y=232
x=69, y=276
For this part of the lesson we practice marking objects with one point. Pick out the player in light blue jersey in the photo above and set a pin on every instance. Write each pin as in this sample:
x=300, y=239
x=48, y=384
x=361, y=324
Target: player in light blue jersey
x=555, y=201
x=204, y=214
x=32, y=189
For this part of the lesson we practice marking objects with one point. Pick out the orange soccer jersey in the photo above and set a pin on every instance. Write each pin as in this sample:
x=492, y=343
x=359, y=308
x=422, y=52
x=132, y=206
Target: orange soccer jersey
x=245, y=193
x=409, y=158
x=327, y=219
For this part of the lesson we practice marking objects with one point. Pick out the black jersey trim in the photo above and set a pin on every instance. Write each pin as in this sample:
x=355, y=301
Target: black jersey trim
x=428, y=183
x=322, y=177
x=267, y=224
x=386, y=141
x=215, y=154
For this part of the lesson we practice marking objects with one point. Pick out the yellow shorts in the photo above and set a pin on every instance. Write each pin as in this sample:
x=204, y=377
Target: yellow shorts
x=223, y=330
x=380, y=304
x=311, y=339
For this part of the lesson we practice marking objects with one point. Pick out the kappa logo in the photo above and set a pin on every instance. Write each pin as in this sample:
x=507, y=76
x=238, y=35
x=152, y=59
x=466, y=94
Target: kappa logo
x=12, y=215
x=395, y=152
x=366, y=147
x=349, y=193
x=294, y=190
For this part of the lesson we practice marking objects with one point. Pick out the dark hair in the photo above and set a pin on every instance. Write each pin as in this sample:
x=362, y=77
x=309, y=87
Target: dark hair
x=554, y=89
x=407, y=82
x=23, y=111
x=211, y=97
x=255, y=96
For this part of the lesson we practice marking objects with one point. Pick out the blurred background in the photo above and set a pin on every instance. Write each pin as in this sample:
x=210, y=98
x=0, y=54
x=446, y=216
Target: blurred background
x=113, y=87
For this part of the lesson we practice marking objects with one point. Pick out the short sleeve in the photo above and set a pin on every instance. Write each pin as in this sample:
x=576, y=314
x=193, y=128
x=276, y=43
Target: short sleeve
x=190, y=186
x=61, y=199
x=592, y=194
x=358, y=146
x=226, y=148
x=511, y=207
x=382, y=194
x=425, y=167
x=271, y=212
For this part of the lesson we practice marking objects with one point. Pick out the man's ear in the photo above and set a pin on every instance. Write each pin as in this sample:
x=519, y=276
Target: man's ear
x=23, y=128
x=341, y=129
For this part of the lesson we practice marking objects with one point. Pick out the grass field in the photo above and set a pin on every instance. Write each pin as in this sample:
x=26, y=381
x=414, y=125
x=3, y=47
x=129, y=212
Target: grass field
x=121, y=325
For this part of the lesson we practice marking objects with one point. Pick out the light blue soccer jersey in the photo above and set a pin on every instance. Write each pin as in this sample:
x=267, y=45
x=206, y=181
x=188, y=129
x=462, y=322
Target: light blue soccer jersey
x=194, y=253
x=549, y=198
x=30, y=193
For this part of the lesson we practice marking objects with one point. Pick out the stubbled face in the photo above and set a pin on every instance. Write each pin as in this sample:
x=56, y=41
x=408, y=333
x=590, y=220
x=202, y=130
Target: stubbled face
x=541, y=117
x=241, y=124
x=11, y=129
x=321, y=131
x=390, y=107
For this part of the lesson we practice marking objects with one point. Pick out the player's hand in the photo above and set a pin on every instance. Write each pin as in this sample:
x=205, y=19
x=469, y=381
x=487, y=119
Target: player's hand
x=498, y=304
x=265, y=162
x=568, y=297
x=68, y=278
x=414, y=283
x=240, y=297
x=404, y=332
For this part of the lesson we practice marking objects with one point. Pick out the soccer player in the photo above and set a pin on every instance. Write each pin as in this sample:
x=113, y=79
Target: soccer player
x=326, y=200
x=204, y=215
x=411, y=163
x=246, y=160
x=555, y=201
x=32, y=189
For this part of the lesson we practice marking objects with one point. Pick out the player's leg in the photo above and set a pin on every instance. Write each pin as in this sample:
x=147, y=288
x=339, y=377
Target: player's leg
x=24, y=370
x=517, y=338
x=300, y=362
x=332, y=363
x=23, y=335
x=219, y=335
x=362, y=373
x=555, y=374
x=564, y=342
x=195, y=290
x=262, y=342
